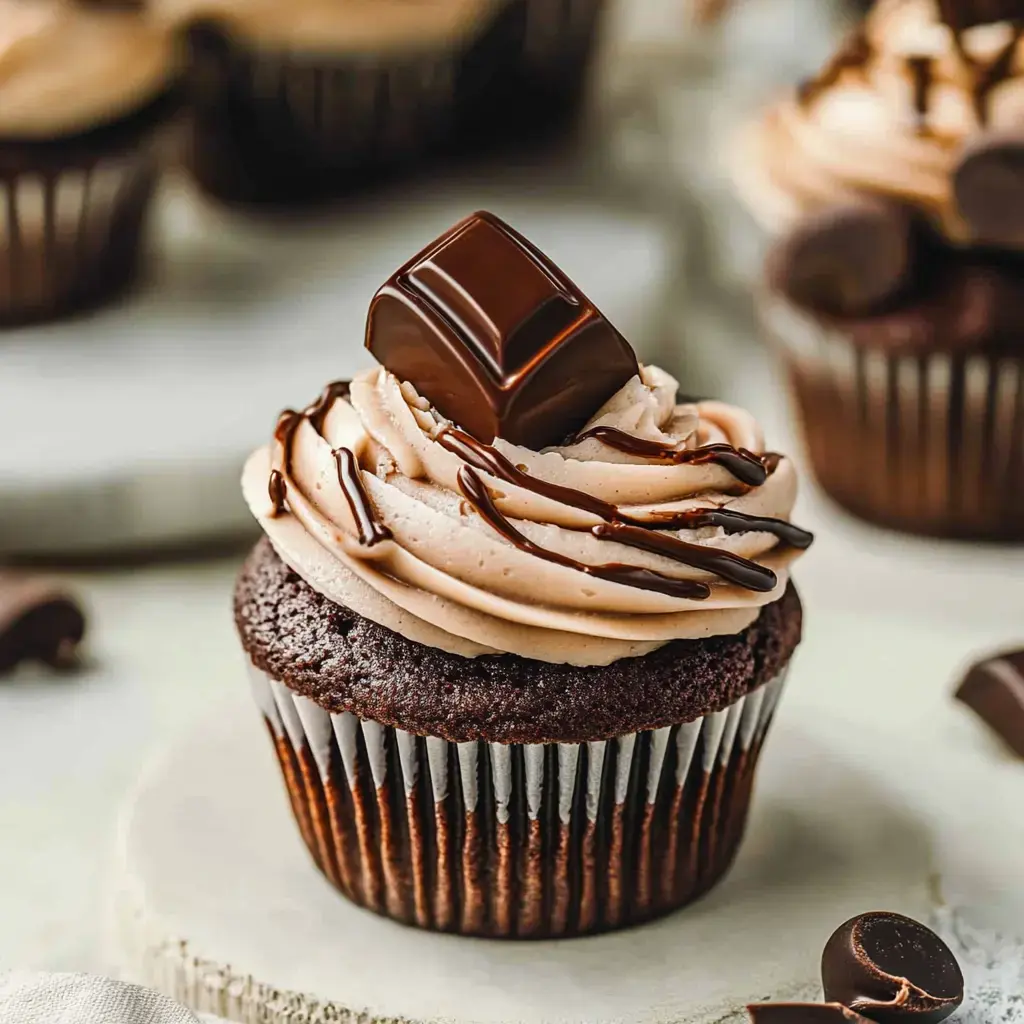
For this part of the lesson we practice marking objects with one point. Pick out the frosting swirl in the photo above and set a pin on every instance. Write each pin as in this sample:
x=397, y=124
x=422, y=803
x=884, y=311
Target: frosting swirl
x=637, y=532
x=889, y=114
x=66, y=68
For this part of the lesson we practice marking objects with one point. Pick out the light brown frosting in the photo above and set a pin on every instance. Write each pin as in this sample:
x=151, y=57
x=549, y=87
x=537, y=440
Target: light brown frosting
x=861, y=128
x=314, y=25
x=448, y=579
x=66, y=68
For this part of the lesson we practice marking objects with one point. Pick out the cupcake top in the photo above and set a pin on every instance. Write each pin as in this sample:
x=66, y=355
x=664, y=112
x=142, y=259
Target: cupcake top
x=647, y=520
x=891, y=114
x=67, y=67
x=313, y=25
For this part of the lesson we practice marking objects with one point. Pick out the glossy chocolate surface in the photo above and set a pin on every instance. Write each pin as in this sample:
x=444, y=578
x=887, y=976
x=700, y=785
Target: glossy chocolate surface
x=497, y=338
x=891, y=969
x=994, y=690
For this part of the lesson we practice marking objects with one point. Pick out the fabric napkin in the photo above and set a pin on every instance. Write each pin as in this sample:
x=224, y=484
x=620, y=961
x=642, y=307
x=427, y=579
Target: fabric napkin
x=31, y=998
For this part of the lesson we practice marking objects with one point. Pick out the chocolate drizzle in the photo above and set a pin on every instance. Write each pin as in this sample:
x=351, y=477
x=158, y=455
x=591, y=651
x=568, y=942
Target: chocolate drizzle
x=317, y=412
x=921, y=71
x=614, y=572
x=278, y=491
x=629, y=530
x=744, y=465
x=992, y=75
x=851, y=56
x=371, y=530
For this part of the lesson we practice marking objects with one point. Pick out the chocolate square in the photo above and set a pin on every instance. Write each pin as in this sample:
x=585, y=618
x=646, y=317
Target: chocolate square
x=994, y=690
x=496, y=337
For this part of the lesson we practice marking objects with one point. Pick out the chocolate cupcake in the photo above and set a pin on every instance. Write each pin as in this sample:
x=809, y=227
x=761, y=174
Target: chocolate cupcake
x=297, y=102
x=893, y=183
x=521, y=619
x=84, y=90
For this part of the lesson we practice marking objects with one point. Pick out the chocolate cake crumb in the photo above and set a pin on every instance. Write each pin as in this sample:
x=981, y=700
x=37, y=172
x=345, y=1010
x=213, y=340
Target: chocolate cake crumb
x=345, y=662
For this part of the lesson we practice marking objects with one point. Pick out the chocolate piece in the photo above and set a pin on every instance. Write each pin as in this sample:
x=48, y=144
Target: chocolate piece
x=846, y=260
x=994, y=690
x=38, y=622
x=988, y=185
x=962, y=14
x=497, y=338
x=891, y=969
x=803, y=1013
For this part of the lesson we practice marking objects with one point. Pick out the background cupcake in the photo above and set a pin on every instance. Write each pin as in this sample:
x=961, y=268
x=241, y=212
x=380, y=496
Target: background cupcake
x=83, y=91
x=502, y=704
x=302, y=100
x=893, y=292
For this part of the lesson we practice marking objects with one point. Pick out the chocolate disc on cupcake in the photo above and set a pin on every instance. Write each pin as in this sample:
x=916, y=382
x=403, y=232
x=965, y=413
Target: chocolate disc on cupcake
x=894, y=182
x=84, y=89
x=293, y=102
x=521, y=617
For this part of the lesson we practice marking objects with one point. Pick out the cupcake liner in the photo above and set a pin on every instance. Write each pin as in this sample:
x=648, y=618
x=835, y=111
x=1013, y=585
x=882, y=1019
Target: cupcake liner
x=70, y=235
x=271, y=125
x=930, y=444
x=510, y=840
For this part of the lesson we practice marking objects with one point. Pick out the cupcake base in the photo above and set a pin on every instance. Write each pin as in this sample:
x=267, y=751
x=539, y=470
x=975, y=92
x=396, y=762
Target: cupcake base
x=929, y=444
x=72, y=216
x=504, y=797
x=518, y=840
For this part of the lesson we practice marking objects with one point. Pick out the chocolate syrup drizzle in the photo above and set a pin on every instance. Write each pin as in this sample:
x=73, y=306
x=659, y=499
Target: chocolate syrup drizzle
x=857, y=52
x=744, y=465
x=617, y=526
x=615, y=572
x=629, y=530
x=371, y=530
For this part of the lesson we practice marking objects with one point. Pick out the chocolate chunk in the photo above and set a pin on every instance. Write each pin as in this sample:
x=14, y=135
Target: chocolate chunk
x=803, y=1013
x=38, y=622
x=988, y=185
x=497, y=338
x=846, y=260
x=994, y=690
x=961, y=14
x=891, y=969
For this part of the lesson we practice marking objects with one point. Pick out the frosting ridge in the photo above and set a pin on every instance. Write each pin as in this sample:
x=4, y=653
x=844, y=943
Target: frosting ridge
x=890, y=114
x=583, y=553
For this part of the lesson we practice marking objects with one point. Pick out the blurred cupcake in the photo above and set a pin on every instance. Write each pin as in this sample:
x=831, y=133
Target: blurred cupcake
x=894, y=183
x=84, y=89
x=297, y=101
x=518, y=671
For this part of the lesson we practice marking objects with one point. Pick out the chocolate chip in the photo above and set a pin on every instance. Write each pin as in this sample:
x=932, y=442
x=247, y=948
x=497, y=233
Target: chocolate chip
x=988, y=185
x=891, y=969
x=496, y=337
x=803, y=1013
x=847, y=259
x=994, y=690
x=38, y=622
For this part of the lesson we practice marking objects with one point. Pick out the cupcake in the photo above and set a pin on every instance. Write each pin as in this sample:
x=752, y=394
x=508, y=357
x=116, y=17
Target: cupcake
x=893, y=185
x=84, y=89
x=521, y=618
x=300, y=101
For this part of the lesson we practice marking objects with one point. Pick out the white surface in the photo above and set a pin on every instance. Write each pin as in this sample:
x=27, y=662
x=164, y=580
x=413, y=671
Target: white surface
x=221, y=868
x=149, y=408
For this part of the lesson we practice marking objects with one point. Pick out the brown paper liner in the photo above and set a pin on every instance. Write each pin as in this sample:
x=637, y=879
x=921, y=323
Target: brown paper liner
x=518, y=841
x=73, y=213
x=286, y=127
x=930, y=444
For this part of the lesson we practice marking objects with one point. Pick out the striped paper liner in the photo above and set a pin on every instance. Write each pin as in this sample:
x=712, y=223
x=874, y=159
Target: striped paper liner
x=931, y=444
x=526, y=841
x=267, y=121
x=71, y=236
